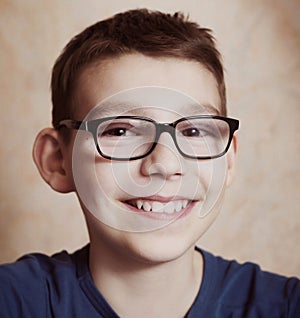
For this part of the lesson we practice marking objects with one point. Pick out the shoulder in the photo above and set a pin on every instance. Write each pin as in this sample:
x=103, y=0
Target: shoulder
x=26, y=284
x=35, y=267
x=247, y=287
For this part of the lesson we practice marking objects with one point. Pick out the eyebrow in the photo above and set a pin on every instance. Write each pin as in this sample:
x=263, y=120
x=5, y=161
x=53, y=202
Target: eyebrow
x=121, y=107
x=206, y=108
x=114, y=108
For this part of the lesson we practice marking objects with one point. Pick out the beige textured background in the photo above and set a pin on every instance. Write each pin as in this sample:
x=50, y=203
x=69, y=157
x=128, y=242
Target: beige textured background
x=260, y=41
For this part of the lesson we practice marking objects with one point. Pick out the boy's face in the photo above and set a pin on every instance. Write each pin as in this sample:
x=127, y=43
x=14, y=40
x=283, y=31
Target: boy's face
x=113, y=191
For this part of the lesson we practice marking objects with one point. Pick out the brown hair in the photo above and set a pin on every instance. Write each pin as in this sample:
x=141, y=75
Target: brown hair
x=151, y=33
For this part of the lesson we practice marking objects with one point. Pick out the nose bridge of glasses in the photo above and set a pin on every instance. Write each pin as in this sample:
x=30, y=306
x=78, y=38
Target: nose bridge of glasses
x=165, y=128
x=166, y=150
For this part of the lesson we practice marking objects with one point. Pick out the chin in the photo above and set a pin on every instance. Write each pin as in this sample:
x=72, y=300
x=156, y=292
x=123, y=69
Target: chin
x=171, y=242
x=160, y=246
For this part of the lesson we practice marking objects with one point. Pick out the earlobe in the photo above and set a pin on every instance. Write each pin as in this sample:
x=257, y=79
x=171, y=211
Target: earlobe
x=231, y=161
x=51, y=158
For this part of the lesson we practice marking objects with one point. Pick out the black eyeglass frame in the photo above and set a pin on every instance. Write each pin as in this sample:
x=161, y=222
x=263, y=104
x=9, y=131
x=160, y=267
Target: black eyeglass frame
x=92, y=127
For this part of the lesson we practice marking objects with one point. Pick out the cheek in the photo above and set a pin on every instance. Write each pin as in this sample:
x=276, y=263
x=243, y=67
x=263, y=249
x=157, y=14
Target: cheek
x=83, y=165
x=119, y=179
x=213, y=175
x=204, y=171
x=96, y=177
x=105, y=176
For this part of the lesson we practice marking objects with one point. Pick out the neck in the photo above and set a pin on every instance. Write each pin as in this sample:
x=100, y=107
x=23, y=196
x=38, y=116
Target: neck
x=162, y=289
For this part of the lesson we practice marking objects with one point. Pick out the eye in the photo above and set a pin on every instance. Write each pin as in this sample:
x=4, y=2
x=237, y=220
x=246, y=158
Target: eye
x=194, y=132
x=117, y=130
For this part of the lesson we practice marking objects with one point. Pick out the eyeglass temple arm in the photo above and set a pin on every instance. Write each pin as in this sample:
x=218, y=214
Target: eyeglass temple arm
x=70, y=123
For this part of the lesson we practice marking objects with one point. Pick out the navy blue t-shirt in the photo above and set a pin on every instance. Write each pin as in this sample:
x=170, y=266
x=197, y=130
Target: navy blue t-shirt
x=38, y=286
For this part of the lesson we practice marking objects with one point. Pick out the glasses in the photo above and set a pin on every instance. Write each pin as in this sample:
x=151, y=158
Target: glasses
x=134, y=137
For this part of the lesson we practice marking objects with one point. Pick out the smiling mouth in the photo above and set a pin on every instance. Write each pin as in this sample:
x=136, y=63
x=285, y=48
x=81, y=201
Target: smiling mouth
x=158, y=208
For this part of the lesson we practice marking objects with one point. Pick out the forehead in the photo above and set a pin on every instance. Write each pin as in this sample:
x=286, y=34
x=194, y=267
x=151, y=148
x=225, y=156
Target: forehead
x=151, y=101
x=99, y=81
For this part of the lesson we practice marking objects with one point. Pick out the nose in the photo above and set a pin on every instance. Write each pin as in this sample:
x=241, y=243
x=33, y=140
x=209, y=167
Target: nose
x=164, y=160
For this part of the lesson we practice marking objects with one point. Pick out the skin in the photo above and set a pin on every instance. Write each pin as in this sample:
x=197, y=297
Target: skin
x=156, y=267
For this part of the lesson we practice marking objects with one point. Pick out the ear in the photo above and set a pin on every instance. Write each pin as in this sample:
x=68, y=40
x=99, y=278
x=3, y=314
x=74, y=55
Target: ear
x=53, y=159
x=231, y=161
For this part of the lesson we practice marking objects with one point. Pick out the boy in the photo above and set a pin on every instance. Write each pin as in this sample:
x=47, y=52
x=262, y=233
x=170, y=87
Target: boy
x=141, y=135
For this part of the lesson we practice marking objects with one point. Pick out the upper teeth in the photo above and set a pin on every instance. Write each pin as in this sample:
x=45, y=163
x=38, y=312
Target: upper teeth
x=156, y=206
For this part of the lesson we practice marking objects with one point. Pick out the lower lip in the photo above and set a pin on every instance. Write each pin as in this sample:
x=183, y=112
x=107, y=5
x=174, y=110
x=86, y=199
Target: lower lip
x=162, y=216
